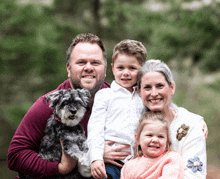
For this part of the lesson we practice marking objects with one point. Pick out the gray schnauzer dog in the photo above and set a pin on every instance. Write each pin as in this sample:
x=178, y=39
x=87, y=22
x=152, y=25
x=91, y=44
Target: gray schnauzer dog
x=69, y=108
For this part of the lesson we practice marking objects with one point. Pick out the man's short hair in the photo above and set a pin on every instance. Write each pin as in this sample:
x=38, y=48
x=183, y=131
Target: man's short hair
x=86, y=37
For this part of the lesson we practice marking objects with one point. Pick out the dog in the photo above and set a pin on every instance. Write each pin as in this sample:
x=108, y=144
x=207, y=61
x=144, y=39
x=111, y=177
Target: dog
x=69, y=108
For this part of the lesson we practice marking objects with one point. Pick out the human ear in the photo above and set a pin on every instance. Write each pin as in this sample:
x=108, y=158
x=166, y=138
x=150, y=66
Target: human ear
x=139, y=91
x=136, y=139
x=112, y=65
x=173, y=87
x=68, y=69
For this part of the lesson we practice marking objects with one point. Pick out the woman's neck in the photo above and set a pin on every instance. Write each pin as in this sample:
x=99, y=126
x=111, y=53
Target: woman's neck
x=169, y=114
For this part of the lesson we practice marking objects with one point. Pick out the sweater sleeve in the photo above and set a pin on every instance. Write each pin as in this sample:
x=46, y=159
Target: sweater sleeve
x=192, y=145
x=127, y=171
x=96, y=125
x=174, y=167
x=194, y=149
x=23, y=150
x=123, y=173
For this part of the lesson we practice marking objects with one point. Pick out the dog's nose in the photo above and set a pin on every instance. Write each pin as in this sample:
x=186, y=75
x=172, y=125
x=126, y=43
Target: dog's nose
x=73, y=111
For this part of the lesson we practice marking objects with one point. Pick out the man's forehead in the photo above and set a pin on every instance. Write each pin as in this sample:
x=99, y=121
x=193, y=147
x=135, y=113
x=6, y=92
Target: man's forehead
x=88, y=52
x=87, y=46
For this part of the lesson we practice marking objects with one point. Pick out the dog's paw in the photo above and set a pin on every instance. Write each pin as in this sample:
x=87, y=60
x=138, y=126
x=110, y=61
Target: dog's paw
x=77, y=155
x=85, y=171
x=84, y=160
x=84, y=146
x=84, y=167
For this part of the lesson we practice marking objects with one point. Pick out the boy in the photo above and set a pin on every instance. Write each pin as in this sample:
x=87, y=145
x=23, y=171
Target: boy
x=116, y=110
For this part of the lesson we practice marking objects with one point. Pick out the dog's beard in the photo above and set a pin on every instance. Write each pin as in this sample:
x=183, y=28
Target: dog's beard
x=65, y=114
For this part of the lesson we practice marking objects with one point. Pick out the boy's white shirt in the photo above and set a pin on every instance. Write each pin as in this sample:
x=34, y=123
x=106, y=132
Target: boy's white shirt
x=115, y=115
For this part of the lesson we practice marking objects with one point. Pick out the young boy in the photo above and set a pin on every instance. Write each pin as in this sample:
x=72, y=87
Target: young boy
x=116, y=110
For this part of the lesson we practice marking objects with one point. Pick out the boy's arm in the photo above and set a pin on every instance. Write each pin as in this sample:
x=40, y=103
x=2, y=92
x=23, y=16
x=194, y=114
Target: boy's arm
x=96, y=126
x=98, y=169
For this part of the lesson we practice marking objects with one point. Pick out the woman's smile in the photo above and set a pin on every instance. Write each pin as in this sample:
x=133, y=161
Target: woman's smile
x=155, y=91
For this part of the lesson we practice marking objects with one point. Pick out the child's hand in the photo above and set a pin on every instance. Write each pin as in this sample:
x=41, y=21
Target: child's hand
x=98, y=169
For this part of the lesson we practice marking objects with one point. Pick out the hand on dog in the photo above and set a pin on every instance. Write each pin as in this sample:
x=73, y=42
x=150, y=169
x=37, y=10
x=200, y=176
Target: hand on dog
x=98, y=169
x=67, y=163
x=114, y=153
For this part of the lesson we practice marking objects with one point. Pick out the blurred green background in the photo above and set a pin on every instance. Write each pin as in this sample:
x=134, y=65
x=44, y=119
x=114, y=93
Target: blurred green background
x=35, y=34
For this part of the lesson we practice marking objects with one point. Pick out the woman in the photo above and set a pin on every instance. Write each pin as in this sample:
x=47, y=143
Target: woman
x=156, y=87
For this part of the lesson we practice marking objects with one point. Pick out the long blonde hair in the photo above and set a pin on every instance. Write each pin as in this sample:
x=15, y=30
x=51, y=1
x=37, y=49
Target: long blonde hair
x=144, y=120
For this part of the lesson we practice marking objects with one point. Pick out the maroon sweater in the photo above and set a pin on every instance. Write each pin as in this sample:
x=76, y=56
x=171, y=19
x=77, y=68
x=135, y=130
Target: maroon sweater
x=24, y=147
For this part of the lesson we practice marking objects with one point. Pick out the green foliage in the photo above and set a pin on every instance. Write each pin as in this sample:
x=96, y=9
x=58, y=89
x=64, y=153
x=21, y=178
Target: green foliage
x=215, y=86
x=34, y=39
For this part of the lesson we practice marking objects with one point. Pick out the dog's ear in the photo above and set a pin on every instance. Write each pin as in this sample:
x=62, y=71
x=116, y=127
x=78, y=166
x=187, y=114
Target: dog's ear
x=85, y=95
x=54, y=97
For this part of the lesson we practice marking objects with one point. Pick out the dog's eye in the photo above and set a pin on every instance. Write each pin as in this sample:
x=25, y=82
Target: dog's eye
x=65, y=103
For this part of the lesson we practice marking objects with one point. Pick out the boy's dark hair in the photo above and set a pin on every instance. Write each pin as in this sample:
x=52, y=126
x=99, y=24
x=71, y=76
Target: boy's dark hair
x=131, y=48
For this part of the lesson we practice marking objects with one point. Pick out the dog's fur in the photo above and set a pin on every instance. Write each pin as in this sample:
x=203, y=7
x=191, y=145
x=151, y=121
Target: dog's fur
x=69, y=108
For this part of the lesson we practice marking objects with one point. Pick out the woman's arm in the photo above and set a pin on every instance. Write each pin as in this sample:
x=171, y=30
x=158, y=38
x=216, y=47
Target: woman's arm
x=194, y=154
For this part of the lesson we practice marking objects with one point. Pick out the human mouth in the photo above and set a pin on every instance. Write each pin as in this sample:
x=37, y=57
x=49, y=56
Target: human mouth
x=126, y=80
x=155, y=100
x=88, y=77
x=154, y=147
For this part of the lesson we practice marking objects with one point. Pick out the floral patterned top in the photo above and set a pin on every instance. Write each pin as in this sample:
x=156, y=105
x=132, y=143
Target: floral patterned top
x=188, y=140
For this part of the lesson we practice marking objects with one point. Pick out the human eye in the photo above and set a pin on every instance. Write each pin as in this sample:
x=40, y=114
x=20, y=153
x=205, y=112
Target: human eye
x=95, y=63
x=160, y=85
x=147, y=87
x=148, y=135
x=161, y=136
x=80, y=62
x=133, y=68
x=120, y=67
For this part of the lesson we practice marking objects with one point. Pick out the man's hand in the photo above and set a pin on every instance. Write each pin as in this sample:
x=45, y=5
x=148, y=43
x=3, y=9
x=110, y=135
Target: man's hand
x=204, y=128
x=114, y=153
x=67, y=163
x=98, y=169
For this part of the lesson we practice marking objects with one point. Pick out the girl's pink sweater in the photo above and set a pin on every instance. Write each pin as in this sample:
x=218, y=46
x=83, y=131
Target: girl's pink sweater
x=167, y=166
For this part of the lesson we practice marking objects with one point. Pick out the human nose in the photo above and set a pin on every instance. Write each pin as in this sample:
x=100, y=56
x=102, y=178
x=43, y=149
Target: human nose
x=154, y=92
x=126, y=72
x=88, y=67
x=154, y=139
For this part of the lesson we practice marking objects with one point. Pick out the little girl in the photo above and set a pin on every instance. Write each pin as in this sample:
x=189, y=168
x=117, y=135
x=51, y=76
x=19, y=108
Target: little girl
x=152, y=159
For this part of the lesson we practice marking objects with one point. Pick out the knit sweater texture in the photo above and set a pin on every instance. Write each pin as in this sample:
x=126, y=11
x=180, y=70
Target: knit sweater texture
x=167, y=166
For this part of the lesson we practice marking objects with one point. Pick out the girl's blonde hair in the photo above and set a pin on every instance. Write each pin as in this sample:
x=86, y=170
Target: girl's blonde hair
x=144, y=120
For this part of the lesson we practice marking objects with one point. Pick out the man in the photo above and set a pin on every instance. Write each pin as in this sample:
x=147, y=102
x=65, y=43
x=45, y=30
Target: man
x=86, y=68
